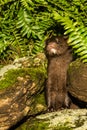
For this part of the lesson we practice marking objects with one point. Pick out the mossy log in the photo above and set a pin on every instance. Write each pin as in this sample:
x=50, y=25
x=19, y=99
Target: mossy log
x=21, y=98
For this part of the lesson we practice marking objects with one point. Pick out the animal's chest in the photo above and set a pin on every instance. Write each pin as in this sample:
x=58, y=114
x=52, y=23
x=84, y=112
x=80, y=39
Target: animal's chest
x=57, y=70
x=57, y=65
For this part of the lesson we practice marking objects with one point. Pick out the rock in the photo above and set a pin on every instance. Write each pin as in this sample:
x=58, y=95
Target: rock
x=77, y=80
x=21, y=92
x=61, y=120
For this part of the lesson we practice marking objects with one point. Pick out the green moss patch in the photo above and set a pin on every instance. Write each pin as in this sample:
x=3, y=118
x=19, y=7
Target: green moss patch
x=37, y=125
x=62, y=127
x=11, y=76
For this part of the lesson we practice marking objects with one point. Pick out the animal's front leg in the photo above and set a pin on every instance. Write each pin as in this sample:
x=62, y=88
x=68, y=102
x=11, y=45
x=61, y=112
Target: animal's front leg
x=50, y=95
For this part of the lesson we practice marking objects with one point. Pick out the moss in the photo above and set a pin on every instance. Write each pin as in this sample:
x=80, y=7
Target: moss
x=76, y=64
x=39, y=103
x=33, y=124
x=79, y=122
x=11, y=76
x=1, y=66
x=44, y=125
x=62, y=127
x=37, y=125
x=40, y=98
x=22, y=127
x=63, y=120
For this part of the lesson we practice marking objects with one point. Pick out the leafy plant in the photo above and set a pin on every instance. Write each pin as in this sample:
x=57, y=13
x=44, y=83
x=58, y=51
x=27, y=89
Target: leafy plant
x=77, y=35
x=25, y=24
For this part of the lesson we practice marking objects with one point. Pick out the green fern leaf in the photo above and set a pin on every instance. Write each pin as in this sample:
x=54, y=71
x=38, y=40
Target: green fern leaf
x=24, y=23
x=3, y=2
x=84, y=52
x=76, y=45
x=77, y=35
x=74, y=40
x=83, y=57
x=85, y=60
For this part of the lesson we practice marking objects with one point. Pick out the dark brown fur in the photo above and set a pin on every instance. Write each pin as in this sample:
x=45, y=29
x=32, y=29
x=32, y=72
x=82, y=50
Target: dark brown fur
x=59, y=56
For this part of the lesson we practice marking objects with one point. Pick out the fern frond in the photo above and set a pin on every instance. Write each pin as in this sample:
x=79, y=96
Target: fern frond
x=34, y=26
x=27, y=3
x=19, y=43
x=31, y=20
x=4, y=42
x=75, y=9
x=77, y=35
x=38, y=45
x=3, y=2
x=24, y=21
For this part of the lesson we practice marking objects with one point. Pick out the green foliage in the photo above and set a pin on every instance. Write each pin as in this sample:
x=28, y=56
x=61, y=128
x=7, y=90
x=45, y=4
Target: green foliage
x=77, y=35
x=25, y=24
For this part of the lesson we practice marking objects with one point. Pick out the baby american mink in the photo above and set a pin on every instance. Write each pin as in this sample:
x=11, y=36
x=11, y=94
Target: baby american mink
x=59, y=56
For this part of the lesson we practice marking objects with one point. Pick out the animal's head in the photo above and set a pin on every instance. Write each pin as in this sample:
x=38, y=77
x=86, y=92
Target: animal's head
x=55, y=46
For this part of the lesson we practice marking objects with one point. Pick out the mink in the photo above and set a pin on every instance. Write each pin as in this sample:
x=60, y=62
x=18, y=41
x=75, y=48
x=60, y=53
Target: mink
x=59, y=56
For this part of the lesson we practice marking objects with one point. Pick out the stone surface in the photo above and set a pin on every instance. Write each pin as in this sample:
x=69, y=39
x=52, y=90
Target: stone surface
x=23, y=97
x=61, y=120
x=77, y=80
